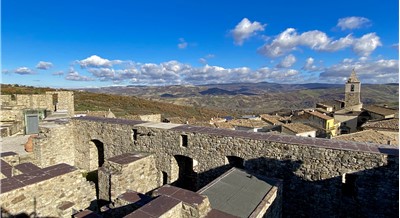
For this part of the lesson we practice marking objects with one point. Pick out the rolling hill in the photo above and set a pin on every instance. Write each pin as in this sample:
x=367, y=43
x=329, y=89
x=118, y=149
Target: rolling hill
x=257, y=97
x=123, y=105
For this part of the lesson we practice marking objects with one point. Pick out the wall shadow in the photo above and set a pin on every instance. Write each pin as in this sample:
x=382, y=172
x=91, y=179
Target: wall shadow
x=366, y=193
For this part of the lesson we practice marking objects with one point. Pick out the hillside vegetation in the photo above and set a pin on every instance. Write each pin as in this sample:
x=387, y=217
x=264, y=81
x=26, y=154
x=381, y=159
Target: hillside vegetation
x=256, y=98
x=125, y=105
x=122, y=105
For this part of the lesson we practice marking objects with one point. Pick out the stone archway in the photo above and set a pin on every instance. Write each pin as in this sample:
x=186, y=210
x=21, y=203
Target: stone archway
x=96, y=154
x=187, y=177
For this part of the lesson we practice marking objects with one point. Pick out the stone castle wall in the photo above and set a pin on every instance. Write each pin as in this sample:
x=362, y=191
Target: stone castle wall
x=43, y=101
x=312, y=170
x=53, y=197
x=54, y=145
x=11, y=115
x=65, y=101
x=138, y=174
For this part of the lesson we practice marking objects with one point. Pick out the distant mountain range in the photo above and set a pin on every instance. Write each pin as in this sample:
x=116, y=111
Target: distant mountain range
x=260, y=97
x=206, y=101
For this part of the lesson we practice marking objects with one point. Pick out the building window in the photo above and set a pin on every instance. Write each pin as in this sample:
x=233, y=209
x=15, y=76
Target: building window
x=134, y=134
x=352, y=88
x=184, y=140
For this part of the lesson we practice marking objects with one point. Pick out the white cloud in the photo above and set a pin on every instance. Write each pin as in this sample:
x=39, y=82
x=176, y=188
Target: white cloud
x=337, y=45
x=204, y=60
x=379, y=71
x=58, y=73
x=96, y=61
x=278, y=75
x=75, y=76
x=353, y=22
x=5, y=71
x=365, y=45
x=288, y=61
x=309, y=65
x=44, y=65
x=108, y=74
x=246, y=29
x=289, y=40
x=183, y=44
x=174, y=72
x=23, y=71
x=210, y=56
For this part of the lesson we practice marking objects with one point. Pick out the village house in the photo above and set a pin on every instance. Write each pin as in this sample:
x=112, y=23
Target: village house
x=299, y=129
x=380, y=112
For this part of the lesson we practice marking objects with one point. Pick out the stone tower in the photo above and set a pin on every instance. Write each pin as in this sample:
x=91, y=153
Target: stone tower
x=352, y=97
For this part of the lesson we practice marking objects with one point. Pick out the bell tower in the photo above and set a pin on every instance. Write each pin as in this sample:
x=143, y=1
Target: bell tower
x=352, y=93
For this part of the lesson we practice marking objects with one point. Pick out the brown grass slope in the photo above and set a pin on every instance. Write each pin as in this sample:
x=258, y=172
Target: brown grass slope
x=122, y=105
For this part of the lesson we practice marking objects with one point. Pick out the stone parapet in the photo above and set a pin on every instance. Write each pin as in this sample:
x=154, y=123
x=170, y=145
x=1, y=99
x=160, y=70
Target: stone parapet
x=130, y=171
x=46, y=192
x=53, y=144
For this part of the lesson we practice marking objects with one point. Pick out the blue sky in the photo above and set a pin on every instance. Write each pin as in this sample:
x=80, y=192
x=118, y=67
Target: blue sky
x=104, y=43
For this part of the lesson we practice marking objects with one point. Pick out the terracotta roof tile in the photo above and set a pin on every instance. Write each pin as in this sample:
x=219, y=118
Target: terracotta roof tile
x=299, y=127
x=369, y=136
x=248, y=123
x=380, y=110
x=391, y=125
x=318, y=114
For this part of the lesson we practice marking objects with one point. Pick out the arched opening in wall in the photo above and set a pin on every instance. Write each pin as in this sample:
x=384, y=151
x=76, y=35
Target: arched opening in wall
x=96, y=160
x=235, y=161
x=164, y=178
x=187, y=178
x=96, y=154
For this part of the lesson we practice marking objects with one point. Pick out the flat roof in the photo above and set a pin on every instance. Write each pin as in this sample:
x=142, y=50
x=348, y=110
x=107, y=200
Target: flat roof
x=236, y=192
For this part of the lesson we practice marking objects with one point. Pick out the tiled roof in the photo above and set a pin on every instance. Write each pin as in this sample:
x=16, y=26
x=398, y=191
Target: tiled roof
x=318, y=114
x=248, y=123
x=299, y=127
x=224, y=125
x=391, y=125
x=370, y=136
x=273, y=119
x=326, y=103
x=380, y=110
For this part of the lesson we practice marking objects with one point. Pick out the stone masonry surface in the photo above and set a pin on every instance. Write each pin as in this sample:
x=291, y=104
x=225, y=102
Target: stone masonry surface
x=312, y=170
x=127, y=172
x=49, y=192
x=55, y=144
